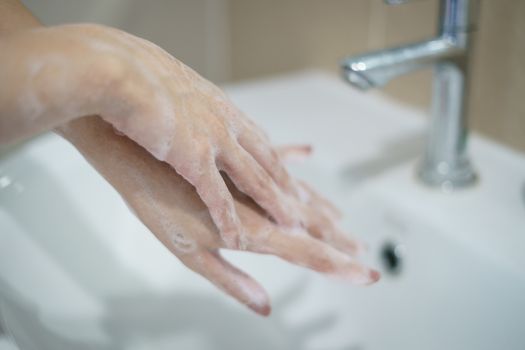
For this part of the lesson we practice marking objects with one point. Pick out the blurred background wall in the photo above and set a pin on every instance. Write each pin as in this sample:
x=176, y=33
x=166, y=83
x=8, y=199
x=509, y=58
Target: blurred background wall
x=195, y=31
x=232, y=40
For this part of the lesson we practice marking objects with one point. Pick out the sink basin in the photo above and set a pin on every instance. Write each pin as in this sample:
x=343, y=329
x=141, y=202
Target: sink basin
x=78, y=271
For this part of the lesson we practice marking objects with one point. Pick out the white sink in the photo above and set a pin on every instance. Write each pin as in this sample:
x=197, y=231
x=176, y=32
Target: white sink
x=78, y=271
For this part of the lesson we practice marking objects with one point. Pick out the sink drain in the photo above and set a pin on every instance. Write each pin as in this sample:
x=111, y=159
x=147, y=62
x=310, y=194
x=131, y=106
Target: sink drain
x=391, y=256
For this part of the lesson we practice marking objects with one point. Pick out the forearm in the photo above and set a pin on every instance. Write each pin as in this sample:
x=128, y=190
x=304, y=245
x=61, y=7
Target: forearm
x=14, y=17
x=53, y=75
x=49, y=78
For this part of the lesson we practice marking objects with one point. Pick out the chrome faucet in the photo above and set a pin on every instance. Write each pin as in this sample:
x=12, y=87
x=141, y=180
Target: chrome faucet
x=445, y=162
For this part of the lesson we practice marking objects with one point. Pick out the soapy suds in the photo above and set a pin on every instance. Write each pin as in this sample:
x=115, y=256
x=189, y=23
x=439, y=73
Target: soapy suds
x=182, y=243
x=179, y=241
x=224, y=217
x=235, y=282
x=29, y=103
x=158, y=147
x=268, y=195
x=257, y=296
x=304, y=194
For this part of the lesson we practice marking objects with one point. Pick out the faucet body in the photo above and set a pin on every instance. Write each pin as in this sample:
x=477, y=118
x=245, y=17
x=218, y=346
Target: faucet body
x=445, y=162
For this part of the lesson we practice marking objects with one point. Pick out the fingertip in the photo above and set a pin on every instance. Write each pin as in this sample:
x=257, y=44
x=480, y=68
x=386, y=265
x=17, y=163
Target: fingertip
x=295, y=152
x=368, y=278
x=301, y=151
x=374, y=276
x=263, y=310
x=234, y=282
x=360, y=276
x=308, y=149
x=256, y=298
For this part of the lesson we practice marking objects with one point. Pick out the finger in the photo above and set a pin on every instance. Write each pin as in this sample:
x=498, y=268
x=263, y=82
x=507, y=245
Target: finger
x=301, y=249
x=294, y=152
x=249, y=125
x=324, y=229
x=251, y=179
x=314, y=198
x=329, y=233
x=307, y=193
x=321, y=217
x=268, y=159
x=230, y=280
x=213, y=191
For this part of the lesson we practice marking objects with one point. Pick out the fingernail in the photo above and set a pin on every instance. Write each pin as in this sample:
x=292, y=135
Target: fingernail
x=308, y=148
x=374, y=276
x=304, y=151
x=365, y=277
x=263, y=310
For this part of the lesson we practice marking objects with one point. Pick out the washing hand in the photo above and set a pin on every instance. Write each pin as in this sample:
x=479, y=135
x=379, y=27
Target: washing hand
x=173, y=211
x=58, y=74
x=241, y=198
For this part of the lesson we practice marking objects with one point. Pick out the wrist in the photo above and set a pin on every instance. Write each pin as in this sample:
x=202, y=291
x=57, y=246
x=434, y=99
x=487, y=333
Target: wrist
x=53, y=76
x=70, y=77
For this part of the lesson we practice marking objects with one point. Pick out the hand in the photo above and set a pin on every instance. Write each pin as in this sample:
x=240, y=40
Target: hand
x=173, y=211
x=66, y=72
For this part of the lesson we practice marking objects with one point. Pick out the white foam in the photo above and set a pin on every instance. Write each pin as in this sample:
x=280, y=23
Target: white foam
x=30, y=105
x=159, y=147
x=182, y=243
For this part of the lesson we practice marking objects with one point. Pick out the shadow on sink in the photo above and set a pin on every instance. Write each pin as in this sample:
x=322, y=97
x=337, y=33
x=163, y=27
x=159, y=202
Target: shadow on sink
x=62, y=231
x=216, y=325
x=179, y=320
x=394, y=153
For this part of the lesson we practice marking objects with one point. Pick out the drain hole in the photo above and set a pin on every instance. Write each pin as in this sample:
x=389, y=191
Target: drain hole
x=391, y=256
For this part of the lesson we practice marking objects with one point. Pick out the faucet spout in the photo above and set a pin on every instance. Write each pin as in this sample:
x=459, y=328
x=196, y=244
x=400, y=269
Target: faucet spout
x=445, y=162
x=375, y=69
